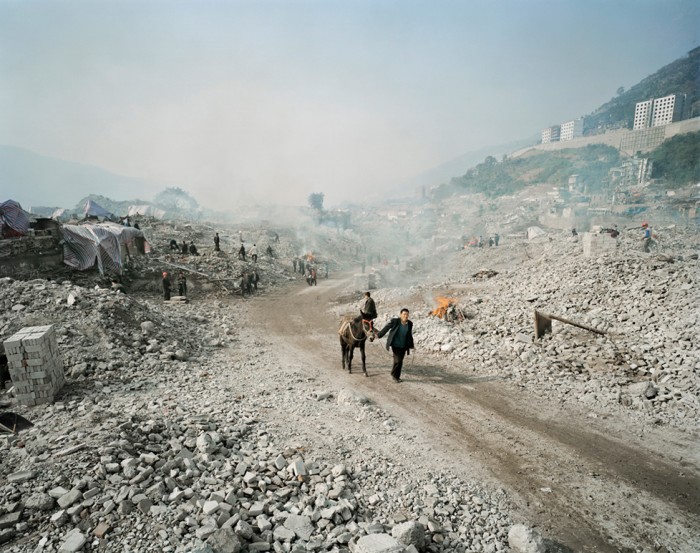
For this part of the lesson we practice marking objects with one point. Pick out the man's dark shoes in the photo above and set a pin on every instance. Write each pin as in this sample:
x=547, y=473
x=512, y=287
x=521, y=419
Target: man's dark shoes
x=397, y=380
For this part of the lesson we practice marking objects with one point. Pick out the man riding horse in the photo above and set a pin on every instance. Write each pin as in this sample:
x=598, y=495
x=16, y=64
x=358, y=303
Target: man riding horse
x=368, y=310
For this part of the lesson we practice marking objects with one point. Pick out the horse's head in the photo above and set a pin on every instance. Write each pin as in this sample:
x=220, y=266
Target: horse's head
x=368, y=329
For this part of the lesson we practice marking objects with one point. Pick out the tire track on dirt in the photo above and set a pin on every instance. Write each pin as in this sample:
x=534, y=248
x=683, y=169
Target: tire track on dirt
x=601, y=486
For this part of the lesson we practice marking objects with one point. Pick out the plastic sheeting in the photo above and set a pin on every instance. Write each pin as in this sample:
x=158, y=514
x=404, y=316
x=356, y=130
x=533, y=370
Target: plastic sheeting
x=96, y=210
x=14, y=218
x=146, y=210
x=106, y=244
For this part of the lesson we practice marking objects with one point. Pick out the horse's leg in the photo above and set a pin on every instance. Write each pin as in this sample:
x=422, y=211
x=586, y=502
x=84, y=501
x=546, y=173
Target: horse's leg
x=343, y=350
x=362, y=352
x=351, y=350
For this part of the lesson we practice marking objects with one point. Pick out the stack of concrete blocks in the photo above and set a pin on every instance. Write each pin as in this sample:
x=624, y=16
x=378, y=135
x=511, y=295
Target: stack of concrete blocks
x=35, y=364
x=597, y=245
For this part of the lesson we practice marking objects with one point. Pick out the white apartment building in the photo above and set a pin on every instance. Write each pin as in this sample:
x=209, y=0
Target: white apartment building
x=571, y=129
x=667, y=110
x=642, y=115
x=551, y=134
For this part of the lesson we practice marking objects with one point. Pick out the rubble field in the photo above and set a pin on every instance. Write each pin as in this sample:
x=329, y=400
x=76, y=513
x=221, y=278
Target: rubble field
x=225, y=424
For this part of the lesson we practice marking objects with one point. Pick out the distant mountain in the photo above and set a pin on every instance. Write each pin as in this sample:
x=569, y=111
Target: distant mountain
x=34, y=179
x=679, y=77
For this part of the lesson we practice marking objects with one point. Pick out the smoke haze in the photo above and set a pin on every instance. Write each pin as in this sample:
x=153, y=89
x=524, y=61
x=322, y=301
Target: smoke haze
x=255, y=101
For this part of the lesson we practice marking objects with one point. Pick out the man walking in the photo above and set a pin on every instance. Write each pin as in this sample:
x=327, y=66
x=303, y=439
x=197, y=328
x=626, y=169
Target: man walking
x=216, y=242
x=400, y=340
x=254, y=253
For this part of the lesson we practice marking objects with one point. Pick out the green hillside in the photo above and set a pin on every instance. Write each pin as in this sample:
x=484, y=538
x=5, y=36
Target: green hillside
x=679, y=77
x=497, y=178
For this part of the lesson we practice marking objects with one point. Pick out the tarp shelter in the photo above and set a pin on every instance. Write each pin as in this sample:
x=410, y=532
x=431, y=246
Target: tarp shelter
x=146, y=210
x=13, y=219
x=534, y=232
x=60, y=213
x=96, y=210
x=108, y=244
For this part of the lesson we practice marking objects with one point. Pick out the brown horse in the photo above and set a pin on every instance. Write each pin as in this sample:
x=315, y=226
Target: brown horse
x=353, y=334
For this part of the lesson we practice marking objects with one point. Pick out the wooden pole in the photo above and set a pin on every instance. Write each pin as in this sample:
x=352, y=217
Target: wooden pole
x=542, y=326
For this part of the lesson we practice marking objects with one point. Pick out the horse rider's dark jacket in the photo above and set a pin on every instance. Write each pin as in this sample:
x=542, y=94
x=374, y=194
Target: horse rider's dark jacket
x=369, y=309
x=391, y=327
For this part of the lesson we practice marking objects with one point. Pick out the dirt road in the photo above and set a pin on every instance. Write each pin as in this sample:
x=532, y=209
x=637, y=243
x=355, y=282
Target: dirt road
x=588, y=481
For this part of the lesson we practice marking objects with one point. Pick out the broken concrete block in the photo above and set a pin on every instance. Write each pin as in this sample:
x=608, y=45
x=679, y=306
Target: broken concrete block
x=525, y=540
x=378, y=543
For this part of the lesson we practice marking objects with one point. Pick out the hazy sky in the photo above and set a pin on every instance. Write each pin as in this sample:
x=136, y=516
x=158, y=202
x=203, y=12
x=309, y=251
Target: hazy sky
x=275, y=100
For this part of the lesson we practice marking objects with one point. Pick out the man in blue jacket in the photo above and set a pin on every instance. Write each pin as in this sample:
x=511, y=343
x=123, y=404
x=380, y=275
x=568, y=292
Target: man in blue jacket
x=400, y=340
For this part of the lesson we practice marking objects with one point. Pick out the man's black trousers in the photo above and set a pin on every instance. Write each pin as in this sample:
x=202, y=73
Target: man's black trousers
x=399, y=354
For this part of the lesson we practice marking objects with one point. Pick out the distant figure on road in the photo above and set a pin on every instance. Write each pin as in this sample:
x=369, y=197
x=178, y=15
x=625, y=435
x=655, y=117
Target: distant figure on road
x=216, y=243
x=496, y=238
x=294, y=263
x=241, y=252
x=400, y=340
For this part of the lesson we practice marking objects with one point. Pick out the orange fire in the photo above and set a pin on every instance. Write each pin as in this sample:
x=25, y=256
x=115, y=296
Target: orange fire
x=443, y=306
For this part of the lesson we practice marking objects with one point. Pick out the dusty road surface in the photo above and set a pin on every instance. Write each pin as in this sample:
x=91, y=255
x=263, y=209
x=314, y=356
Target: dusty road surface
x=588, y=481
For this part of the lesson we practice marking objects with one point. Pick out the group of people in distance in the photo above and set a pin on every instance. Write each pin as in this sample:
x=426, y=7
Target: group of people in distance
x=183, y=249
x=181, y=285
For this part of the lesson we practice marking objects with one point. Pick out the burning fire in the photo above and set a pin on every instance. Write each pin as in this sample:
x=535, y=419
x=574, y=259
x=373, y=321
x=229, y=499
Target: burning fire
x=443, y=305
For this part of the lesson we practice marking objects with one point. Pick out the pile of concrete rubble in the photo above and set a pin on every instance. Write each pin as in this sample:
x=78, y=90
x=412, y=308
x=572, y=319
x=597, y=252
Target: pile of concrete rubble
x=646, y=304
x=138, y=454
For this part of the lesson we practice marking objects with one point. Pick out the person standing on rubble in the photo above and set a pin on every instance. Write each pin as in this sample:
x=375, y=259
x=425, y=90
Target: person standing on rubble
x=166, y=286
x=254, y=253
x=241, y=252
x=400, y=340
x=255, y=278
x=646, y=237
x=244, y=284
x=294, y=263
x=184, y=248
x=181, y=284
x=496, y=238
x=216, y=242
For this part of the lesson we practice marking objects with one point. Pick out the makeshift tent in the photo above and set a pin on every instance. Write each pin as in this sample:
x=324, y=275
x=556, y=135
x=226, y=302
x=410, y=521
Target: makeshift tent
x=534, y=232
x=60, y=213
x=107, y=244
x=96, y=210
x=146, y=210
x=13, y=219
